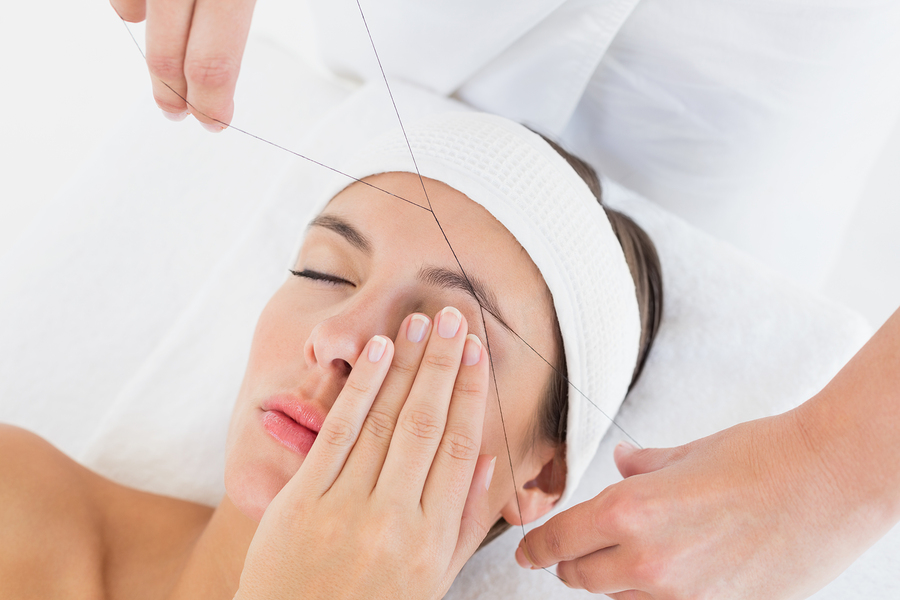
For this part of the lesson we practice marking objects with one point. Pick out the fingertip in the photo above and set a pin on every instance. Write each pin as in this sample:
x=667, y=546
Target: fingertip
x=623, y=450
x=212, y=127
x=377, y=347
x=473, y=351
x=521, y=560
x=527, y=560
x=175, y=117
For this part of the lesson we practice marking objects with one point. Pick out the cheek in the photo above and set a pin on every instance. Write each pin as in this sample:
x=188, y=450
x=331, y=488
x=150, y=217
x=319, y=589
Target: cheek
x=256, y=468
x=279, y=338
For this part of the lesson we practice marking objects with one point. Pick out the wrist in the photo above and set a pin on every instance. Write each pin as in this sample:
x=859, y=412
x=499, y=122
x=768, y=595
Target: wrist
x=847, y=452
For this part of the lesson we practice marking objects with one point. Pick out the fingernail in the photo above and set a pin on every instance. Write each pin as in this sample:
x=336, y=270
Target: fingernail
x=212, y=127
x=624, y=446
x=472, y=351
x=490, y=474
x=175, y=116
x=448, y=323
x=376, y=348
x=418, y=325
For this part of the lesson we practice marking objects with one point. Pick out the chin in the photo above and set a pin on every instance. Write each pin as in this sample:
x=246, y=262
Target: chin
x=251, y=490
x=255, y=472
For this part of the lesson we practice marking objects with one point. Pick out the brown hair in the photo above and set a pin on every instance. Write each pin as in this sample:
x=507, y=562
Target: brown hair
x=643, y=262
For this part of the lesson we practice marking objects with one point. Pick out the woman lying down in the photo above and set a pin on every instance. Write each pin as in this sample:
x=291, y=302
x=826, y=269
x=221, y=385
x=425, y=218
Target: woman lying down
x=363, y=442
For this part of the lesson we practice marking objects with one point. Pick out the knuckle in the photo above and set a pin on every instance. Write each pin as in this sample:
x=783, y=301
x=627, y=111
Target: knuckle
x=379, y=424
x=582, y=575
x=649, y=572
x=553, y=543
x=459, y=446
x=404, y=367
x=339, y=432
x=620, y=515
x=468, y=388
x=441, y=361
x=211, y=71
x=164, y=67
x=423, y=425
x=358, y=388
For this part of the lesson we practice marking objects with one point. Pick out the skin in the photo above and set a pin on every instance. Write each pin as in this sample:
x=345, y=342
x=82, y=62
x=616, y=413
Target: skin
x=405, y=452
x=772, y=508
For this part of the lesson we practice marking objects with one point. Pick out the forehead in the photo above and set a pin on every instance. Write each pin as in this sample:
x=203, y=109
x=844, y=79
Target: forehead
x=404, y=232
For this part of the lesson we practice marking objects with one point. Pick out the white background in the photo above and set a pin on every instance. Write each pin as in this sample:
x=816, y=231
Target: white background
x=70, y=72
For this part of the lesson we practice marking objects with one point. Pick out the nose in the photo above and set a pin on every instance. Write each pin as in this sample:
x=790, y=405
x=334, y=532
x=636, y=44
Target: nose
x=335, y=343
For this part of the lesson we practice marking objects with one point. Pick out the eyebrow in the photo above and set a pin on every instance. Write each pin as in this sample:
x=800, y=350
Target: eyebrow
x=350, y=233
x=450, y=279
x=441, y=277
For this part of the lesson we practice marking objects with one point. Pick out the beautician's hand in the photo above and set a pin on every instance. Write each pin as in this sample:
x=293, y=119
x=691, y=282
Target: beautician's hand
x=390, y=501
x=196, y=47
x=773, y=508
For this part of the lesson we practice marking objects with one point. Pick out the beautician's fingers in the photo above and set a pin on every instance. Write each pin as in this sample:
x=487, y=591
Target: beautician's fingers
x=634, y=461
x=132, y=11
x=606, y=571
x=365, y=462
x=451, y=473
x=168, y=28
x=212, y=61
x=420, y=426
x=566, y=536
x=341, y=428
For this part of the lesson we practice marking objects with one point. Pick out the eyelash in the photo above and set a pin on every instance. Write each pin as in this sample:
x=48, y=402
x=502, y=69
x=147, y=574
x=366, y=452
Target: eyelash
x=323, y=277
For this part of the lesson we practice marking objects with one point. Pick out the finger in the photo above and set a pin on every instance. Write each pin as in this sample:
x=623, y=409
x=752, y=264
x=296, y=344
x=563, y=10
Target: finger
x=634, y=461
x=606, y=571
x=168, y=28
x=335, y=440
x=365, y=462
x=132, y=11
x=420, y=426
x=450, y=476
x=213, y=58
x=573, y=533
x=476, y=521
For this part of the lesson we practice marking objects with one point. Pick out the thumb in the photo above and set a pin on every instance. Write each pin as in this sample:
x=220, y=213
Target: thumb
x=635, y=461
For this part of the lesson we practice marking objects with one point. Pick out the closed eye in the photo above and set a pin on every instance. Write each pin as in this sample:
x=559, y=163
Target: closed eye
x=324, y=277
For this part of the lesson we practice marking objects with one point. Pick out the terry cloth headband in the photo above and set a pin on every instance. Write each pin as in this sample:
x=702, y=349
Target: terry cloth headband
x=527, y=186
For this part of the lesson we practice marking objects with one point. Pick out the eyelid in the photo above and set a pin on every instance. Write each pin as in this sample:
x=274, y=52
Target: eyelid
x=323, y=277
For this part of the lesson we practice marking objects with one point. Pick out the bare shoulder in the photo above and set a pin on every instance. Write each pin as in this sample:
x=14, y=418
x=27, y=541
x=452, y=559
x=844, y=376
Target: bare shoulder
x=48, y=521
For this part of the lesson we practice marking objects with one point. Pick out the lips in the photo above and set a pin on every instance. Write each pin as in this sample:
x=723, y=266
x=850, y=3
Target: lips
x=291, y=422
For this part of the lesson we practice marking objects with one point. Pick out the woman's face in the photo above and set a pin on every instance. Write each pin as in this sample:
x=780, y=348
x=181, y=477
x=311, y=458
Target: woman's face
x=370, y=260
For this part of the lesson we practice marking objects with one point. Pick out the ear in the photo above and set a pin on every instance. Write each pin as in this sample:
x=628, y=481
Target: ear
x=539, y=495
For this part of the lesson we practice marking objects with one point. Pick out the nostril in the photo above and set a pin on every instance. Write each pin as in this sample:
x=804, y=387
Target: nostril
x=342, y=365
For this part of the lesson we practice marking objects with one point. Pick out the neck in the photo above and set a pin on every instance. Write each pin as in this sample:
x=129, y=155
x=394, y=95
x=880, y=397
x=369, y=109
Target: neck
x=213, y=568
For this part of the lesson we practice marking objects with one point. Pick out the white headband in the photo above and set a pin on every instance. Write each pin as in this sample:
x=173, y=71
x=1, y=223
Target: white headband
x=527, y=186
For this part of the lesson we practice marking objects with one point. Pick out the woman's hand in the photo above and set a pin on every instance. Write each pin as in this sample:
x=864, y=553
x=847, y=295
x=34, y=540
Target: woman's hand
x=754, y=511
x=773, y=508
x=392, y=498
x=194, y=50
